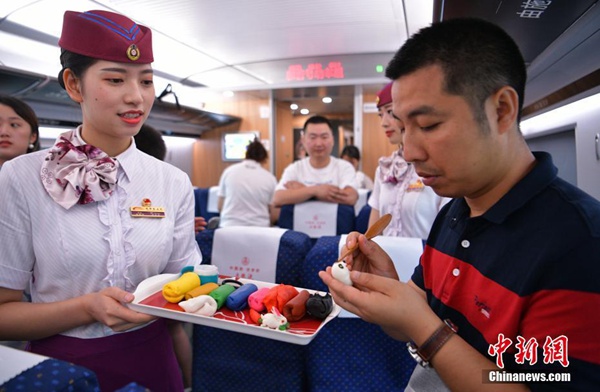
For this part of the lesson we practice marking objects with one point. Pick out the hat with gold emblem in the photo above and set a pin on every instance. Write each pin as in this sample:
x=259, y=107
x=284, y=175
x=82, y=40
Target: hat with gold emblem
x=107, y=36
x=384, y=96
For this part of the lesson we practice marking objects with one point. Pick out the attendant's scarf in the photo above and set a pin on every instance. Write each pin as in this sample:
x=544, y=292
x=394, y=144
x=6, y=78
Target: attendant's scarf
x=392, y=169
x=77, y=173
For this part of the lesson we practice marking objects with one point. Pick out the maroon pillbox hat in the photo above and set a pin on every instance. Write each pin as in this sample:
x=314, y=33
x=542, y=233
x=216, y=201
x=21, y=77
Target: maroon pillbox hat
x=384, y=96
x=107, y=36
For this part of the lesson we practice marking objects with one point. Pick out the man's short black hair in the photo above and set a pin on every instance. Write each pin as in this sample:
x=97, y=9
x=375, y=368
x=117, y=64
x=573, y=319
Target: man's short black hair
x=317, y=120
x=477, y=58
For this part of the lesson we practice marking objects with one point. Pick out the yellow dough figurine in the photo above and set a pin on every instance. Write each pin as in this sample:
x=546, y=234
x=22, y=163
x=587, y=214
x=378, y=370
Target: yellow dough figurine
x=175, y=291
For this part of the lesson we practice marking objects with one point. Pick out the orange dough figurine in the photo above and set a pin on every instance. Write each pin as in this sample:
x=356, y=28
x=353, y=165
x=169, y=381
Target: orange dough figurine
x=279, y=295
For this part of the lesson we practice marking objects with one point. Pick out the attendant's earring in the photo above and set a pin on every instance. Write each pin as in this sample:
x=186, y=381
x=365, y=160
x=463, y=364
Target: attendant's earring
x=31, y=146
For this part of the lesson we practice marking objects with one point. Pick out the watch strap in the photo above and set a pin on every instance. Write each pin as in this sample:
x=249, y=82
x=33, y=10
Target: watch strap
x=432, y=345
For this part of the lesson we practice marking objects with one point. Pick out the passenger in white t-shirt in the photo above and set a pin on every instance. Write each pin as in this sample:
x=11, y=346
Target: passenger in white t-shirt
x=320, y=175
x=246, y=191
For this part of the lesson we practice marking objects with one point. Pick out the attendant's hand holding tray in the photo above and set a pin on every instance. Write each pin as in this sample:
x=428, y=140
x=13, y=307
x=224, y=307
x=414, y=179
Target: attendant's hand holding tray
x=149, y=299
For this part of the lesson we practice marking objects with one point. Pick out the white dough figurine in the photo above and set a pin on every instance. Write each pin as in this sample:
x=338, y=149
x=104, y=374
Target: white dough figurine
x=340, y=271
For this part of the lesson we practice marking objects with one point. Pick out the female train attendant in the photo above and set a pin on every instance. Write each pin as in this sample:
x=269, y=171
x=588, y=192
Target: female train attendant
x=66, y=222
x=398, y=189
x=19, y=133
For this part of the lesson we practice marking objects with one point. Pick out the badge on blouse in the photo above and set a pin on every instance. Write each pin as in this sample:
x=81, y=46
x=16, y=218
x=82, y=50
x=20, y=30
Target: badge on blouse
x=147, y=211
x=415, y=186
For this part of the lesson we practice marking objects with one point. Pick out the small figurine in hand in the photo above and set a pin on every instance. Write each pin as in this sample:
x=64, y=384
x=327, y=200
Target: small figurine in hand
x=340, y=271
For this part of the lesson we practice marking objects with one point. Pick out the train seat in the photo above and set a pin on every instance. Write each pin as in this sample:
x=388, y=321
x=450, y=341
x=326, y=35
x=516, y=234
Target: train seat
x=349, y=353
x=206, y=202
x=317, y=218
x=363, y=198
x=362, y=219
x=225, y=360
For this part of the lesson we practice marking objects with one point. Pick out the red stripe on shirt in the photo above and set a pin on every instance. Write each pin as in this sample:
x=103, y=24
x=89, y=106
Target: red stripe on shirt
x=487, y=305
x=566, y=312
x=492, y=308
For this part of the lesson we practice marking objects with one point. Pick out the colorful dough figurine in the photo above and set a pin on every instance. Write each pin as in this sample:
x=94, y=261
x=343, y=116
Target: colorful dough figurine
x=221, y=293
x=204, y=289
x=255, y=300
x=238, y=300
x=319, y=306
x=204, y=305
x=279, y=295
x=274, y=320
x=175, y=291
x=340, y=271
x=295, y=308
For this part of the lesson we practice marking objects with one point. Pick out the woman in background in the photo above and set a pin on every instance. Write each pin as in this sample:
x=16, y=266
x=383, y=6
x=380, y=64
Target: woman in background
x=352, y=155
x=19, y=130
x=398, y=189
x=67, y=225
x=246, y=191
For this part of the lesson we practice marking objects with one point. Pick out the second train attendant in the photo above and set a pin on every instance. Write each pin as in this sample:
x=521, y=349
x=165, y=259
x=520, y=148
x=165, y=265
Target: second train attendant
x=398, y=189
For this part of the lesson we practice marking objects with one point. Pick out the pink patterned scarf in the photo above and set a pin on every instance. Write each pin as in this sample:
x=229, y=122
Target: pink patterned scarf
x=392, y=169
x=77, y=173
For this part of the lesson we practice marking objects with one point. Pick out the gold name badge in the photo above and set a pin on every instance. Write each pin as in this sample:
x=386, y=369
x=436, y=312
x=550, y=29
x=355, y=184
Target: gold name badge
x=147, y=211
x=416, y=186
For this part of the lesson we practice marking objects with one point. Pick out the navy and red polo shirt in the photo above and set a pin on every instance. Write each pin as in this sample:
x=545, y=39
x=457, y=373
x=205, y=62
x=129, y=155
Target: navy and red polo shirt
x=528, y=267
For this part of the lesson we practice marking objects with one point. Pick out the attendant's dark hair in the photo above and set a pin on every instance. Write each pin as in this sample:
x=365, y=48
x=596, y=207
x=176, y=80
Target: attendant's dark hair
x=317, y=120
x=24, y=111
x=150, y=141
x=76, y=62
x=256, y=151
x=477, y=59
x=351, y=151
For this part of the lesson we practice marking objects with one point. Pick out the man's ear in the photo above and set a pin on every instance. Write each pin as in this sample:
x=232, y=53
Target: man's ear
x=72, y=85
x=506, y=101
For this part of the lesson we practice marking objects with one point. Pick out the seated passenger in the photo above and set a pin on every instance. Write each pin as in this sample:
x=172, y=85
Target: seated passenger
x=246, y=191
x=352, y=155
x=398, y=188
x=320, y=175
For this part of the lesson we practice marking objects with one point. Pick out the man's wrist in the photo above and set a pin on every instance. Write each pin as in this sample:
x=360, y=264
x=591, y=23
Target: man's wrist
x=425, y=352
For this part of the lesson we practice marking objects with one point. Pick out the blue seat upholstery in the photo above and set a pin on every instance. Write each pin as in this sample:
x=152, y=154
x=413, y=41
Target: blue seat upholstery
x=350, y=354
x=201, y=207
x=53, y=375
x=293, y=248
x=346, y=218
x=225, y=360
x=205, y=239
x=362, y=219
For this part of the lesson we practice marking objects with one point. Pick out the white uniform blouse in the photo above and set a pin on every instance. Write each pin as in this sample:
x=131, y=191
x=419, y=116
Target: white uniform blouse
x=413, y=205
x=68, y=253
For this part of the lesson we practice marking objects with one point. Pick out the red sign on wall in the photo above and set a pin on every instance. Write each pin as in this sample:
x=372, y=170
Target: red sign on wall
x=315, y=71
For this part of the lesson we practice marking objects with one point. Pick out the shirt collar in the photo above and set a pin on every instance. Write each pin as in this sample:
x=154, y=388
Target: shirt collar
x=542, y=174
x=129, y=161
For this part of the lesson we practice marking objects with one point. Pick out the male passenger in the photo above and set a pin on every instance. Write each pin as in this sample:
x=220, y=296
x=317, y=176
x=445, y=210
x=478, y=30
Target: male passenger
x=512, y=263
x=320, y=175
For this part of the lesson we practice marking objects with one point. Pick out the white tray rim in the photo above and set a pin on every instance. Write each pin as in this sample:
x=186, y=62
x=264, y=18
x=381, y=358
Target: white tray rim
x=155, y=283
